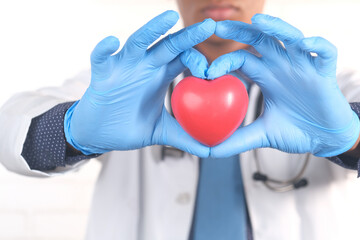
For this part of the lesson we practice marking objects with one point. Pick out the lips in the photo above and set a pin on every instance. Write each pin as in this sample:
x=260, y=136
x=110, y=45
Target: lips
x=219, y=12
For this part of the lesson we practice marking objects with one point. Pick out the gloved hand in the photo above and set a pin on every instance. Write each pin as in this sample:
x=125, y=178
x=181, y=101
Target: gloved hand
x=123, y=108
x=304, y=110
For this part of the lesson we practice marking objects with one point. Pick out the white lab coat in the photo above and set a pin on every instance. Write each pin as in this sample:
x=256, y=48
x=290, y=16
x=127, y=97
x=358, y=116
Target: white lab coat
x=139, y=196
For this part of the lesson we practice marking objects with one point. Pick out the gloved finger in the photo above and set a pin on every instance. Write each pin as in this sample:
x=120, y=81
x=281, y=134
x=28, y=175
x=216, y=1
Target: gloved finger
x=191, y=59
x=248, y=34
x=138, y=42
x=99, y=56
x=169, y=132
x=174, y=68
x=195, y=62
x=244, y=139
x=326, y=58
x=174, y=44
x=104, y=49
x=246, y=62
x=281, y=30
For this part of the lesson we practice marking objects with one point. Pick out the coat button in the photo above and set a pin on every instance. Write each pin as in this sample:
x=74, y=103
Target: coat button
x=183, y=198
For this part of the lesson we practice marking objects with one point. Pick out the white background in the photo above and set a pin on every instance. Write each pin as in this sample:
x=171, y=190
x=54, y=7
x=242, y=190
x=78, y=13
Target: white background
x=44, y=42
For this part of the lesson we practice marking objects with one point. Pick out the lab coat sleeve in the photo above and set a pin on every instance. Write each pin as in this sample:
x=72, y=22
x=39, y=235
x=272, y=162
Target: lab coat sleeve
x=16, y=116
x=349, y=83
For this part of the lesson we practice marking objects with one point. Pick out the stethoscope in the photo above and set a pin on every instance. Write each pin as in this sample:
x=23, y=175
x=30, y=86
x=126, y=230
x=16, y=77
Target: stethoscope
x=276, y=185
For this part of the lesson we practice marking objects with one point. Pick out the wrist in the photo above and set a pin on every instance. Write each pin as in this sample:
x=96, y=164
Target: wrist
x=70, y=143
x=76, y=143
x=340, y=141
x=355, y=150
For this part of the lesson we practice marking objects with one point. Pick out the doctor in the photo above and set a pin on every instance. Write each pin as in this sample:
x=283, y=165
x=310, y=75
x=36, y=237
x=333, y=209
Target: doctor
x=146, y=191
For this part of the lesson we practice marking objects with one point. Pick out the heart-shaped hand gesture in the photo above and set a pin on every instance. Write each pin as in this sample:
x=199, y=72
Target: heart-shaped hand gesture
x=304, y=110
x=123, y=108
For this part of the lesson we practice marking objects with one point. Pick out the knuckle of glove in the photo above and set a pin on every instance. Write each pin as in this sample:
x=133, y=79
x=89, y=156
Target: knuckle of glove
x=171, y=45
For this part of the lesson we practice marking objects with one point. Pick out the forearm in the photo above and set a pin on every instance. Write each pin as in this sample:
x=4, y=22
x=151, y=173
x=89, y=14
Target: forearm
x=354, y=151
x=45, y=147
x=351, y=158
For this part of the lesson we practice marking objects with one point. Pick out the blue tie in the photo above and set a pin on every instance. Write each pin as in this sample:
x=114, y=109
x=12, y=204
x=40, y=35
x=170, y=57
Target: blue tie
x=220, y=212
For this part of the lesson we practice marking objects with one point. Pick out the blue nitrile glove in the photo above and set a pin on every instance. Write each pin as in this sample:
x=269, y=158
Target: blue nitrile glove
x=196, y=62
x=123, y=108
x=304, y=110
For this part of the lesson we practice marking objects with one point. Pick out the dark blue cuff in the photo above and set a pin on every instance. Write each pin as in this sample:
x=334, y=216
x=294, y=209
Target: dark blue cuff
x=45, y=146
x=344, y=160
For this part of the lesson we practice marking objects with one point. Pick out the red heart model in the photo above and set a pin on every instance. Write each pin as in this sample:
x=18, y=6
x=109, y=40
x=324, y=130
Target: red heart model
x=210, y=110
